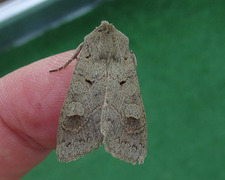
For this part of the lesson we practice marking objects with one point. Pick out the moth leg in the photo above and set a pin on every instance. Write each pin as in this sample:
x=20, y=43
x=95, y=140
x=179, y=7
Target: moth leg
x=71, y=59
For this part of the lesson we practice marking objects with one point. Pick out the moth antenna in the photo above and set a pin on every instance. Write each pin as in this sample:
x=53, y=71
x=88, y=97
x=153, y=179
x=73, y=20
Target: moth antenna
x=71, y=59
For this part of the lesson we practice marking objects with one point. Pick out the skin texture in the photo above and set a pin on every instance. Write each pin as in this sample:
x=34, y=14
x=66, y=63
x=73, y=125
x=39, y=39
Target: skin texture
x=104, y=103
x=30, y=103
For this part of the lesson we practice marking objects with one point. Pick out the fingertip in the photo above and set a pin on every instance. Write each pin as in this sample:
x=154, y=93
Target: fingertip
x=32, y=97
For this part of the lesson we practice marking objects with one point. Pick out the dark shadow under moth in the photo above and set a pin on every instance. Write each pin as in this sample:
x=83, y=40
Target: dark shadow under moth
x=103, y=103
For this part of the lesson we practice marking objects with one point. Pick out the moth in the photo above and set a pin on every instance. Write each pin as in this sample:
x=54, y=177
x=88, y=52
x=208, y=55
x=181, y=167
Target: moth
x=103, y=104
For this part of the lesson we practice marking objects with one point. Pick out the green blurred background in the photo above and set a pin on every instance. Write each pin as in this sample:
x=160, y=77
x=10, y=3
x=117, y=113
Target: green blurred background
x=180, y=49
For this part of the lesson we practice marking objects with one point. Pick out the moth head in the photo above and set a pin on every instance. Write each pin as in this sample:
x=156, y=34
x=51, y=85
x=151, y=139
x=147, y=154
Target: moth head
x=105, y=27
